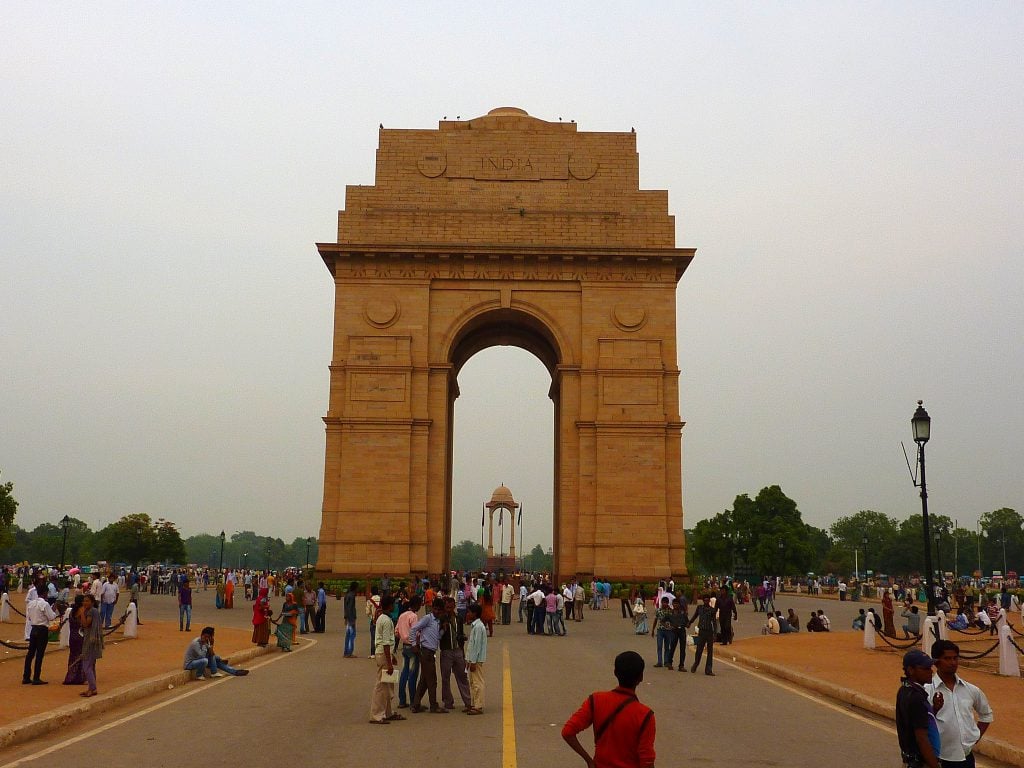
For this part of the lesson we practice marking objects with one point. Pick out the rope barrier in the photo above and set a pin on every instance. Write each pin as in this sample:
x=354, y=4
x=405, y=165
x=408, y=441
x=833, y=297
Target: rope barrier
x=14, y=645
x=111, y=630
x=914, y=641
x=1019, y=649
x=971, y=657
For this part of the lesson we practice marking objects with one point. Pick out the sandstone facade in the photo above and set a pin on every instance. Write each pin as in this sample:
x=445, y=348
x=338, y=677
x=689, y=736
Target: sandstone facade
x=504, y=229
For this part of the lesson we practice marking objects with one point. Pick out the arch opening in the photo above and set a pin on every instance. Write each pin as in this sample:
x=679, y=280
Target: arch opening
x=504, y=431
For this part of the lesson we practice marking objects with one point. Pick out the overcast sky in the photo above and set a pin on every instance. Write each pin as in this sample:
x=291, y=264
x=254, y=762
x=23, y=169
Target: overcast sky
x=851, y=174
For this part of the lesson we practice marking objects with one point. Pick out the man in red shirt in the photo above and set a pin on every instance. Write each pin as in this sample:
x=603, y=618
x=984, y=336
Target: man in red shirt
x=623, y=727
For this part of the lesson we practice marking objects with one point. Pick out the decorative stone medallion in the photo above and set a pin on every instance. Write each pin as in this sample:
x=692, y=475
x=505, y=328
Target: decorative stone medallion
x=432, y=165
x=582, y=167
x=382, y=312
x=629, y=317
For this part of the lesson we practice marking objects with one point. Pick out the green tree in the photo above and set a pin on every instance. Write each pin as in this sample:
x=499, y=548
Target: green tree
x=539, y=561
x=468, y=556
x=130, y=539
x=1002, y=540
x=46, y=540
x=167, y=546
x=765, y=534
x=81, y=542
x=8, y=509
x=850, y=531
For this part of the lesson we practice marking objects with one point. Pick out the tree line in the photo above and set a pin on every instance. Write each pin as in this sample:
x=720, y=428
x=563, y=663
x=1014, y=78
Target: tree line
x=767, y=535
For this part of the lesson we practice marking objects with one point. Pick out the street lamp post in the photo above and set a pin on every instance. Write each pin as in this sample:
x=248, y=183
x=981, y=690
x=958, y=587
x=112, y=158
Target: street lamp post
x=782, y=557
x=245, y=561
x=938, y=557
x=864, y=543
x=64, y=523
x=220, y=570
x=139, y=531
x=309, y=541
x=1002, y=535
x=922, y=426
x=268, y=558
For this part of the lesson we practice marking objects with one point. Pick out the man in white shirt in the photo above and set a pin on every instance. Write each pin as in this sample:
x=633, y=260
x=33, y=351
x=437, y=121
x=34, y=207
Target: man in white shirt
x=383, y=643
x=108, y=599
x=39, y=614
x=507, y=592
x=535, y=617
x=958, y=731
x=476, y=655
x=523, y=592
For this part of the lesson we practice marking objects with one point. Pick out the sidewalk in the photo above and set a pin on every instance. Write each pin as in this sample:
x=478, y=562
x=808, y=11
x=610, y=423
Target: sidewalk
x=129, y=670
x=837, y=665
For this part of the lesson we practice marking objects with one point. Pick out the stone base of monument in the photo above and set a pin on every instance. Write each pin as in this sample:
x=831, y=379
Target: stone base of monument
x=497, y=563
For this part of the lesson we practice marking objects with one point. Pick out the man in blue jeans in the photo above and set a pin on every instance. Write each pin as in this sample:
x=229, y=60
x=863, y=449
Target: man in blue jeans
x=200, y=658
x=350, y=620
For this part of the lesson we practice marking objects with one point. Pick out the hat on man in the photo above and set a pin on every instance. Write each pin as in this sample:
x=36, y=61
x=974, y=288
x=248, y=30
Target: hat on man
x=917, y=658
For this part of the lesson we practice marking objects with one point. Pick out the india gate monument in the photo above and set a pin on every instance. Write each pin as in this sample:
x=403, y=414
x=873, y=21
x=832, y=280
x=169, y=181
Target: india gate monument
x=504, y=230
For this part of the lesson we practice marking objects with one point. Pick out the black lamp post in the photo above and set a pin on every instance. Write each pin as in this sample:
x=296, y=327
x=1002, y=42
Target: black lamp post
x=64, y=523
x=245, y=561
x=938, y=557
x=922, y=426
x=268, y=558
x=1002, y=535
x=220, y=570
x=864, y=543
x=309, y=541
x=782, y=557
x=139, y=531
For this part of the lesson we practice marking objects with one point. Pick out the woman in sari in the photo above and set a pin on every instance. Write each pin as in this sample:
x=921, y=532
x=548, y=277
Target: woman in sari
x=487, y=610
x=287, y=622
x=229, y=594
x=888, y=628
x=220, y=592
x=92, y=643
x=261, y=613
x=74, y=675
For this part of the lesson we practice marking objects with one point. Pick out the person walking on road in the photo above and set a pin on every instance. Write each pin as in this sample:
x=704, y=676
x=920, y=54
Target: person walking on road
x=92, y=643
x=383, y=644
x=958, y=731
x=426, y=636
x=476, y=656
x=704, y=615
x=350, y=620
x=624, y=729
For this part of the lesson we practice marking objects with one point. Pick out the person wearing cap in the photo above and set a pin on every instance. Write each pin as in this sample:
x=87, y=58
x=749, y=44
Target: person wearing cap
x=958, y=731
x=916, y=726
x=200, y=658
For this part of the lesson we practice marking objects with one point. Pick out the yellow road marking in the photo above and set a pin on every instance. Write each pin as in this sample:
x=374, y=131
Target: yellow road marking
x=508, y=718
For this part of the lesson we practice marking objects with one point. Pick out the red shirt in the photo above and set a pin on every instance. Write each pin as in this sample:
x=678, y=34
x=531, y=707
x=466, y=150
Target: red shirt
x=626, y=742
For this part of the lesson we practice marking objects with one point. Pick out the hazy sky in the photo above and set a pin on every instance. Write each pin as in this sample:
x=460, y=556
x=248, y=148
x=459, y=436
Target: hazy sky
x=851, y=174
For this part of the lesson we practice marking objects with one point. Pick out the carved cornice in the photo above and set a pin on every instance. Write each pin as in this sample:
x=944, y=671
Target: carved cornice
x=538, y=264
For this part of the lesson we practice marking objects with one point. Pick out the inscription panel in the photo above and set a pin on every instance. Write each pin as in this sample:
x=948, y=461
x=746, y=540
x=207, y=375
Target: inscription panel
x=629, y=353
x=379, y=350
x=631, y=390
x=377, y=387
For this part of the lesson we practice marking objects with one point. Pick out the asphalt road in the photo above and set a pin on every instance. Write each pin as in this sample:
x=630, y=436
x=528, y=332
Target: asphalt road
x=310, y=707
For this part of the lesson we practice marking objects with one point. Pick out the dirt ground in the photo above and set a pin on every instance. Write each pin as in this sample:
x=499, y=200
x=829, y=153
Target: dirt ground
x=159, y=648
x=840, y=658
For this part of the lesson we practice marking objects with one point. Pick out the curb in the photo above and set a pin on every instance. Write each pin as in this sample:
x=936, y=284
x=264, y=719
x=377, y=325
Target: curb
x=33, y=727
x=997, y=749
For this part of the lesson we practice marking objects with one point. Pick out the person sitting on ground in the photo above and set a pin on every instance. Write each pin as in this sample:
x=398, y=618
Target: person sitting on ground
x=793, y=620
x=981, y=618
x=771, y=627
x=959, y=623
x=818, y=622
x=913, y=617
x=200, y=658
x=784, y=626
x=858, y=622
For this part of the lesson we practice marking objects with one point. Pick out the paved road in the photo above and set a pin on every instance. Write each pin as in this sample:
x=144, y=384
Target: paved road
x=310, y=708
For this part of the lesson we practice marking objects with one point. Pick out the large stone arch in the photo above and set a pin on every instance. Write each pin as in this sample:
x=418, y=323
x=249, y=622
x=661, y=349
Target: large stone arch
x=504, y=229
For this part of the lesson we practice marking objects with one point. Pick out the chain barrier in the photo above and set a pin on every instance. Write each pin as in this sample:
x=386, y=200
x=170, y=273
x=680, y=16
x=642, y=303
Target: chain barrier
x=916, y=639
x=1019, y=650
x=111, y=630
x=14, y=646
x=1014, y=629
x=972, y=657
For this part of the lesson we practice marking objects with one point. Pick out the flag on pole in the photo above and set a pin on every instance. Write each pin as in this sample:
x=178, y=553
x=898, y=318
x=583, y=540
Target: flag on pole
x=520, y=520
x=483, y=512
